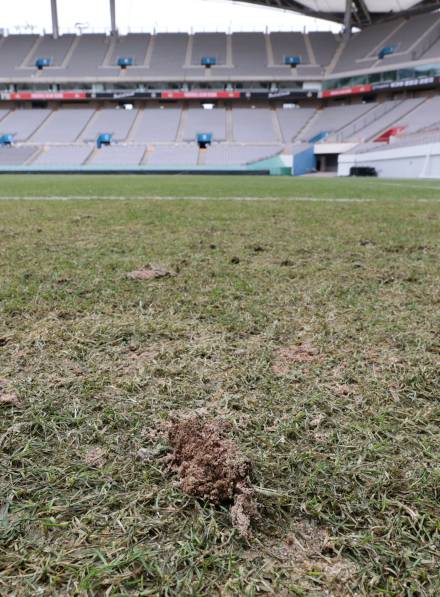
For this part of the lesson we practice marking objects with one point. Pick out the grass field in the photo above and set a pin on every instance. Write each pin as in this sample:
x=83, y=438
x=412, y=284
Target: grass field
x=308, y=317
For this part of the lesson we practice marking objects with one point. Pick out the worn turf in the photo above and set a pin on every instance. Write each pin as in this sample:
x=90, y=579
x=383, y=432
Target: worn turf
x=311, y=326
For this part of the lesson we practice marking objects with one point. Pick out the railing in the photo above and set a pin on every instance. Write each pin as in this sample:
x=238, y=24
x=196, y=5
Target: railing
x=349, y=132
x=422, y=138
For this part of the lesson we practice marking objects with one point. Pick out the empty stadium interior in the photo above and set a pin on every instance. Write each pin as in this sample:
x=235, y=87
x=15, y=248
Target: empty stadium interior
x=219, y=289
x=241, y=101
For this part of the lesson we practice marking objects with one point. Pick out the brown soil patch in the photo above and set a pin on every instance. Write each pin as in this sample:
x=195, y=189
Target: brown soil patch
x=285, y=357
x=7, y=397
x=211, y=467
x=95, y=457
x=149, y=273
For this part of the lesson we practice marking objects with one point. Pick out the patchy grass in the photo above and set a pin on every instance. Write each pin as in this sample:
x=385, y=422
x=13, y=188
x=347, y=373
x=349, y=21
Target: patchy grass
x=311, y=327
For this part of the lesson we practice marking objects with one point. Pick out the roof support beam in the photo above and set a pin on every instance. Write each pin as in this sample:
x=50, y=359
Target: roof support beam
x=347, y=20
x=54, y=13
x=113, y=28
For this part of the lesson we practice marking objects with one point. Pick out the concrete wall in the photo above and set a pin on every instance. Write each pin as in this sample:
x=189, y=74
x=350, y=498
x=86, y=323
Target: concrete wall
x=416, y=161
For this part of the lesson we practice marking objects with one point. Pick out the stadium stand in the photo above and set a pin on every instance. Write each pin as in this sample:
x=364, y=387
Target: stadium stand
x=168, y=55
x=323, y=45
x=226, y=154
x=54, y=49
x=176, y=155
x=209, y=44
x=62, y=156
x=199, y=120
x=133, y=45
x=253, y=125
x=177, y=56
x=16, y=156
x=115, y=155
x=14, y=52
x=110, y=120
x=293, y=121
x=23, y=123
x=86, y=58
x=269, y=95
x=157, y=125
x=289, y=44
x=63, y=126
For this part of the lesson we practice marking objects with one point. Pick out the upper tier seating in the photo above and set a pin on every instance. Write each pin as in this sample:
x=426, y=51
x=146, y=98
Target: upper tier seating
x=239, y=56
x=411, y=39
x=87, y=57
x=168, y=57
x=48, y=47
x=324, y=45
x=289, y=44
x=248, y=53
x=209, y=44
x=133, y=45
x=14, y=50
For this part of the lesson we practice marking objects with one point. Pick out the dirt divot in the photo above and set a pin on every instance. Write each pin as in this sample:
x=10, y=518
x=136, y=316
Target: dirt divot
x=95, y=457
x=211, y=467
x=149, y=273
x=7, y=397
x=287, y=356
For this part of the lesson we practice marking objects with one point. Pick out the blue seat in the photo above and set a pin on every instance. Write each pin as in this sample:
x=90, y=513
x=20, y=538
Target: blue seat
x=41, y=62
x=292, y=60
x=208, y=61
x=6, y=139
x=124, y=61
x=204, y=139
x=387, y=51
x=103, y=139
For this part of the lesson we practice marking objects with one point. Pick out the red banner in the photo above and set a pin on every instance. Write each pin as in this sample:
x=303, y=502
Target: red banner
x=347, y=91
x=44, y=95
x=200, y=94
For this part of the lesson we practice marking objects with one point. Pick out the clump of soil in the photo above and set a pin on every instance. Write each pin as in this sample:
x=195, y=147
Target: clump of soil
x=7, y=396
x=211, y=467
x=149, y=272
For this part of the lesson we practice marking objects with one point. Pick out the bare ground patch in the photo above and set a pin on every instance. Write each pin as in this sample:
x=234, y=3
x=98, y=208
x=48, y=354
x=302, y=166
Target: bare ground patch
x=290, y=355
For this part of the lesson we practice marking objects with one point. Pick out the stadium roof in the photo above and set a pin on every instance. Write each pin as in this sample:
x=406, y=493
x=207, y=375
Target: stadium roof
x=358, y=13
x=363, y=12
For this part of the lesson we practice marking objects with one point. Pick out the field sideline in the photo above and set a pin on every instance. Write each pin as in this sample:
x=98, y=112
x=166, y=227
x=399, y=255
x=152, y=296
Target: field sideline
x=306, y=316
